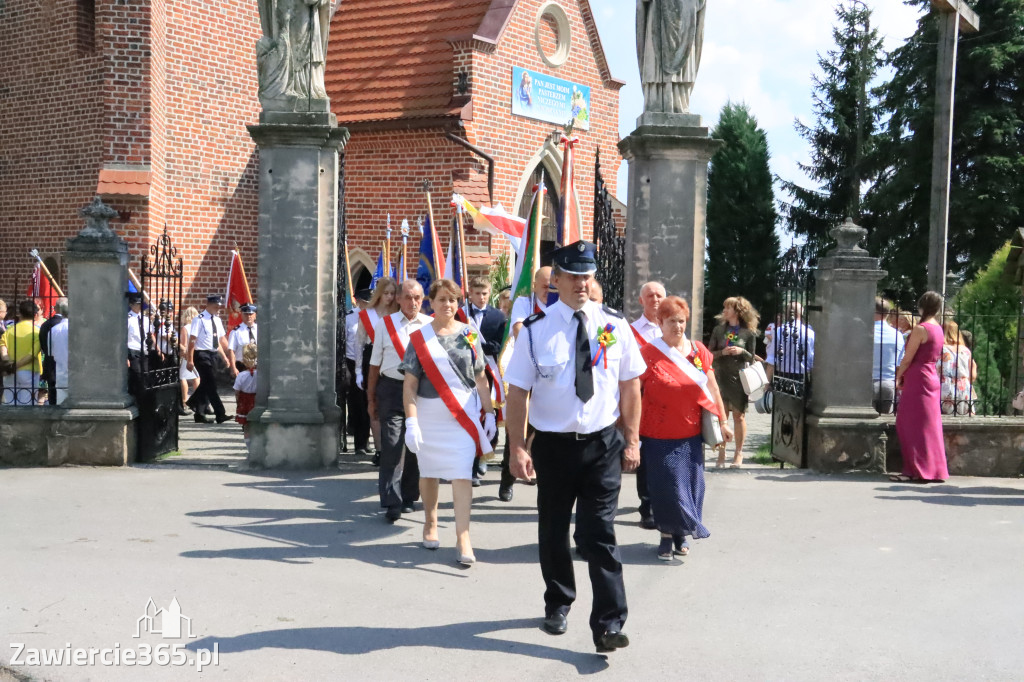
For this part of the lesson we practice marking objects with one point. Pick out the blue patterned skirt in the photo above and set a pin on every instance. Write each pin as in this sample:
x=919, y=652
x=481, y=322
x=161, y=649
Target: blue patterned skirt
x=675, y=481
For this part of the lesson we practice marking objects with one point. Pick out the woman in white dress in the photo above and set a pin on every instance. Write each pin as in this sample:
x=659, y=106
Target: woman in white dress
x=188, y=379
x=444, y=394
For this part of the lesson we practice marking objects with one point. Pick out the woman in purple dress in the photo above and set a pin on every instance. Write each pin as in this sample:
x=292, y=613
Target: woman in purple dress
x=919, y=417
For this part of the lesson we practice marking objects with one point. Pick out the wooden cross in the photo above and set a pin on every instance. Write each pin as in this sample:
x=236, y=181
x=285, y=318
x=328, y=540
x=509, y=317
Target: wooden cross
x=954, y=17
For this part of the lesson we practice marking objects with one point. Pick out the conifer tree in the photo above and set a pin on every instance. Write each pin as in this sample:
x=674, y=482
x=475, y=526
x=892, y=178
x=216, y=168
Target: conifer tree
x=987, y=188
x=842, y=135
x=743, y=248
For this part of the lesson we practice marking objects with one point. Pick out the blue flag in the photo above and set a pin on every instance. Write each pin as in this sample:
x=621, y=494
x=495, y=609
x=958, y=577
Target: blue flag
x=427, y=270
x=379, y=272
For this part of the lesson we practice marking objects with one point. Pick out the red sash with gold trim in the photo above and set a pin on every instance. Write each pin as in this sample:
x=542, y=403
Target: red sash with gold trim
x=434, y=360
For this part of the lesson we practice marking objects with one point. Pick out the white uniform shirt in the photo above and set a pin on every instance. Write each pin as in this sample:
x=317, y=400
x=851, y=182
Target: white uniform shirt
x=134, y=338
x=384, y=354
x=524, y=307
x=351, y=335
x=647, y=329
x=788, y=348
x=551, y=341
x=240, y=338
x=769, y=343
x=203, y=329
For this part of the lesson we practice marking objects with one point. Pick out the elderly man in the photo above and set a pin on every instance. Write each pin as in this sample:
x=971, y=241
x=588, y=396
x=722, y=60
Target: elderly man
x=578, y=366
x=646, y=327
x=524, y=306
x=885, y=357
x=399, y=478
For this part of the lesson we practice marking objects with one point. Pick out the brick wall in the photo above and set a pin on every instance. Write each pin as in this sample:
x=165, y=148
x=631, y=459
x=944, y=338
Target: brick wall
x=385, y=169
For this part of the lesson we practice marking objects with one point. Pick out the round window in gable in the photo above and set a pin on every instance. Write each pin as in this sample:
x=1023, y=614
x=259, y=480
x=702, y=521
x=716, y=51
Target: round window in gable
x=552, y=34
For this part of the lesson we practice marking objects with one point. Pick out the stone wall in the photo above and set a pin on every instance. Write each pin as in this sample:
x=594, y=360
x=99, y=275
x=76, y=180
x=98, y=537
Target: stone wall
x=975, y=446
x=54, y=436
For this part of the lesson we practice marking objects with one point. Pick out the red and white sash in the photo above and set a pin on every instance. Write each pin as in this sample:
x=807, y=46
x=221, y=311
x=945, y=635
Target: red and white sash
x=684, y=371
x=494, y=373
x=398, y=339
x=462, y=402
x=367, y=318
x=641, y=341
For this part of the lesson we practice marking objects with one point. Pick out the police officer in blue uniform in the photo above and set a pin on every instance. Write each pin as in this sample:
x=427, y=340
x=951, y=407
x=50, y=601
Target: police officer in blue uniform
x=576, y=367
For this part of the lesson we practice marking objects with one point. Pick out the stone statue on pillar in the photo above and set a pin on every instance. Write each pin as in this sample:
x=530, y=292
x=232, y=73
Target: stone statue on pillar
x=290, y=55
x=669, y=42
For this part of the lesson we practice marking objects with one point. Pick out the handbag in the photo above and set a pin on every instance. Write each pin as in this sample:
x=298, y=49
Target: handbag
x=711, y=429
x=753, y=379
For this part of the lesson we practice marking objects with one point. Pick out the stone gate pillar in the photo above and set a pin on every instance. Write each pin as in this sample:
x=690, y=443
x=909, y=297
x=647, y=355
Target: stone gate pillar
x=842, y=426
x=295, y=423
x=668, y=158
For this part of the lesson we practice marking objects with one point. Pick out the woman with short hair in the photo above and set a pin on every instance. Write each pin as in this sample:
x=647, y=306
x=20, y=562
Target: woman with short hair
x=444, y=393
x=733, y=343
x=919, y=417
x=678, y=386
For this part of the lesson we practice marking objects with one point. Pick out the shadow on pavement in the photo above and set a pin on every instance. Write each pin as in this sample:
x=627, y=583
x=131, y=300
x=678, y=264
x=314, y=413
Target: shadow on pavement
x=354, y=641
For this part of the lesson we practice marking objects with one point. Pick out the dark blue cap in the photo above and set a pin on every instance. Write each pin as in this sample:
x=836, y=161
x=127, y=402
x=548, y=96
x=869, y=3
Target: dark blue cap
x=577, y=259
x=134, y=297
x=215, y=298
x=248, y=307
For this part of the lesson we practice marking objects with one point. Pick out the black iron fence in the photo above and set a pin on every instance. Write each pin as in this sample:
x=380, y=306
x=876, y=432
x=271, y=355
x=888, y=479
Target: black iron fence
x=978, y=364
x=33, y=350
x=611, y=246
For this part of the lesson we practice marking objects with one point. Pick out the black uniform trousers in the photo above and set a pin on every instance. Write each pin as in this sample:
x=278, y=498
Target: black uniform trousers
x=641, y=489
x=587, y=473
x=358, y=414
x=134, y=371
x=399, y=475
x=207, y=391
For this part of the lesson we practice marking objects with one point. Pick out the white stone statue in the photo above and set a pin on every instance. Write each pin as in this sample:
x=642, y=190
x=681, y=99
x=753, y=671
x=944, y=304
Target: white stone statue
x=669, y=41
x=290, y=55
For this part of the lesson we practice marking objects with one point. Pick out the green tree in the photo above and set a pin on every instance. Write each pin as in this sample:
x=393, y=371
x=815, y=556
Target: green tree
x=842, y=135
x=743, y=248
x=987, y=190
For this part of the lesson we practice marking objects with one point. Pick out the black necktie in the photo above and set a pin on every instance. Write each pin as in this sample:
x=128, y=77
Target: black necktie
x=213, y=326
x=584, y=371
x=251, y=339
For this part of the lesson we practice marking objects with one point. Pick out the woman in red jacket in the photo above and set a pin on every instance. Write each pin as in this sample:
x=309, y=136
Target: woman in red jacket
x=677, y=386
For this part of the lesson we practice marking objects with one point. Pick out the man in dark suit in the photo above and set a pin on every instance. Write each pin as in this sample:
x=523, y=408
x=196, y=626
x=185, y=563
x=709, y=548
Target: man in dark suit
x=491, y=323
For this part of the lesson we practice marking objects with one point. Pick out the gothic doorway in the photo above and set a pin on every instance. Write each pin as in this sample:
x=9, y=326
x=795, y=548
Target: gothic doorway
x=549, y=225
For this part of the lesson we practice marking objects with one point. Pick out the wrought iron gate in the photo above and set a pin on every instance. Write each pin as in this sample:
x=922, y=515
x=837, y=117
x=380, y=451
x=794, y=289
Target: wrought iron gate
x=611, y=247
x=791, y=345
x=158, y=393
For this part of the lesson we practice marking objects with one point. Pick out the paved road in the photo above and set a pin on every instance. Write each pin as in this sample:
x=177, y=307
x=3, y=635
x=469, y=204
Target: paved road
x=296, y=577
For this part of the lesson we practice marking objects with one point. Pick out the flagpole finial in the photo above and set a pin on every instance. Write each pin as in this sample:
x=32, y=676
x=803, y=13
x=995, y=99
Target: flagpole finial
x=426, y=186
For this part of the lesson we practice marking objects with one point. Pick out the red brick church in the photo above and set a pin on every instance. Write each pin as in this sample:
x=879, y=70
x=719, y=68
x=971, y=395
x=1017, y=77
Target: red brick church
x=145, y=103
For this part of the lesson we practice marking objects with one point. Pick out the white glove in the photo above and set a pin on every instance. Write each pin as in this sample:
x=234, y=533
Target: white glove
x=413, y=436
x=490, y=427
x=359, y=379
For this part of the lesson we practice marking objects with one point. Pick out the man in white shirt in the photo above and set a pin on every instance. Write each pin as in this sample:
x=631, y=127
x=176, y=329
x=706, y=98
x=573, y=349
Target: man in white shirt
x=646, y=327
x=885, y=357
x=577, y=391
x=791, y=354
x=525, y=306
x=358, y=417
x=140, y=338
x=206, y=340
x=243, y=335
x=399, y=479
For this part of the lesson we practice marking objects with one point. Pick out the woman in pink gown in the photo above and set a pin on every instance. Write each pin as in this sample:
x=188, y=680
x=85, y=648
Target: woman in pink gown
x=919, y=417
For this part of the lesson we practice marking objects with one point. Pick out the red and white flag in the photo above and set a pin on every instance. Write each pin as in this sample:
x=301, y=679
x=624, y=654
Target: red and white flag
x=238, y=292
x=42, y=291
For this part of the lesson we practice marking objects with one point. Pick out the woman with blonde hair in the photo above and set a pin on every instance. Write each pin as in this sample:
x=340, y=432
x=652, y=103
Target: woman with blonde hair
x=383, y=302
x=957, y=372
x=188, y=379
x=445, y=390
x=733, y=344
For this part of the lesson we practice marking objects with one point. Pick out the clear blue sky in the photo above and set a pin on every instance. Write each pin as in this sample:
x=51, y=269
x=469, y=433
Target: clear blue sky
x=762, y=52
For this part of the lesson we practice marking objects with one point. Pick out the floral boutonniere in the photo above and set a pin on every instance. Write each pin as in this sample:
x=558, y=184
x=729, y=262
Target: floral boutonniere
x=469, y=337
x=605, y=339
x=695, y=359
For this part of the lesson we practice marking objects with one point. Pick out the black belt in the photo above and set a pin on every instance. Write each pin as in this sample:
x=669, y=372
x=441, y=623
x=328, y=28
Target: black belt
x=572, y=435
x=394, y=381
x=205, y=351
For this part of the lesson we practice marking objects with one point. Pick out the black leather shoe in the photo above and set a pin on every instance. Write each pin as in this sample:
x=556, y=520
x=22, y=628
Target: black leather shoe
x=209, y=411
x=408, y=509
x=610, y=641
x=200, y=419
x=375, y=461
x=184, y=411
x=647, y=523
x=505, y=493
x=556, y=624
x=224, y=418
x=393, y=514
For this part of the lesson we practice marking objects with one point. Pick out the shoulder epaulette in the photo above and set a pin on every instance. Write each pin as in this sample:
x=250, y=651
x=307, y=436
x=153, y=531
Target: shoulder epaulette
x=612, y=311
x=533, y=318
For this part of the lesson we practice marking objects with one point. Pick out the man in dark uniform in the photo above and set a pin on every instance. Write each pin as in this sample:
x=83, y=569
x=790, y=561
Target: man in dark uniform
x=582, y=364
x=206, y=340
